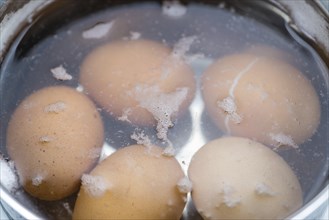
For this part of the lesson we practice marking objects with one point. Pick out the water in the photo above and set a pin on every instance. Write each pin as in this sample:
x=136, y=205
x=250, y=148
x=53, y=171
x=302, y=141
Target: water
x=55, y=38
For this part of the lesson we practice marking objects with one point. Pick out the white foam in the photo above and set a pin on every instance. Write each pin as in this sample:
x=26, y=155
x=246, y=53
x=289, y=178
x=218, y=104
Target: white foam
x=37, y=180
x=60, y=73
x=263, y=190
x=9, y=179
x=283, y=140
x=141, y=138
x=98, y=31
x=228, y=197
x=125, y=114
x=229, y=106
x=46, y=139
x=79, y=88
x=173, y=9
x=55, y=107
x=177, y=56
x=161, y=105
x=169, y=151
x=184, y=185
x=94, y=185
x=183, y=46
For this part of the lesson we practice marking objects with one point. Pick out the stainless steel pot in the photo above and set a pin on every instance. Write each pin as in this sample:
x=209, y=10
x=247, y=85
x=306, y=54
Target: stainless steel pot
x=308, y=18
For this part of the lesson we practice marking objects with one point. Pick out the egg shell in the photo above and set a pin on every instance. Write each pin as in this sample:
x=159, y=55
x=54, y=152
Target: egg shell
x=54, y=136
x=135, y=182
x=263, y=99
x=270, y=52
x=237, y=178
x=112, y=73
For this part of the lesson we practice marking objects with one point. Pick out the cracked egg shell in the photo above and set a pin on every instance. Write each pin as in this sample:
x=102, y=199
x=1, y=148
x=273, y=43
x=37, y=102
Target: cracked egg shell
x=119, y=75
x=135, y=182
x=261, y=98
x=54, y=136
x=237, y=178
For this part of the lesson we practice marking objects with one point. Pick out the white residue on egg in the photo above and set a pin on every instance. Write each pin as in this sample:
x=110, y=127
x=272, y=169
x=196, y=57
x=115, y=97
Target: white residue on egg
x=228, y=104
x=230, y=108
x=141, y=138
x=262, y=189
x=9, y=179
x=169, y=151
x=161, y=105
x=37, y=180
x=173, y=9
x=125, y=114
x=79, y=88
x=283, y=140
x=60, y=73
x=229, y=199
x=184, y=185
x=94, y=185
x=46, y=139
x=98, y=31
x=56, y=107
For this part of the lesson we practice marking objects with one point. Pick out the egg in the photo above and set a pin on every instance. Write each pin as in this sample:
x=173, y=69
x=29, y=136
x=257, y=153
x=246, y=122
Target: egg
x=139, y=81
x=54, y=136
x=237, y=178
x=261, y=98
x=135, y=182
x=269, y=52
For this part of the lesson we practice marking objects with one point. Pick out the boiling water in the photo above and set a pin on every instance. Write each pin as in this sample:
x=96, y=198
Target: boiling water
x=56, y=38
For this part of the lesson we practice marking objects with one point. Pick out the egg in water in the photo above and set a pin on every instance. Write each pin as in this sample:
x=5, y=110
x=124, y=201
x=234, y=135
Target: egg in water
x=54, y=136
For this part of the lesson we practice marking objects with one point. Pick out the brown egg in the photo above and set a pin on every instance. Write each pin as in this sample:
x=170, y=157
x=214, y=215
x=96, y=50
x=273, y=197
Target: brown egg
x=135, y=182
x=139, y=80
x=54, y=136
x=269, y=52
x=236, y=178
x=261, y=98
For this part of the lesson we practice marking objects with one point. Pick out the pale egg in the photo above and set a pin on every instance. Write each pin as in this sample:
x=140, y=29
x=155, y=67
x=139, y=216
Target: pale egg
x=237, y=178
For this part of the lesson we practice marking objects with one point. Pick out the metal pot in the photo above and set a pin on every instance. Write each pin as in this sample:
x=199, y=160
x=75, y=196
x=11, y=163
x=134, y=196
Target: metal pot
x=15, y=15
